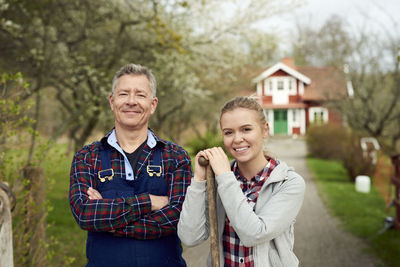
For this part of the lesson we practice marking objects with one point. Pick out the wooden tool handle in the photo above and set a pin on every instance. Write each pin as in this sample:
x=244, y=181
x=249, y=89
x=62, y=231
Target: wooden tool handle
x=212, y=212
x=203, y=161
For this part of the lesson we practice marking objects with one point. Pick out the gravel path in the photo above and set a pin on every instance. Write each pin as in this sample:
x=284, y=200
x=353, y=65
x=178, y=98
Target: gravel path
x=319, y=238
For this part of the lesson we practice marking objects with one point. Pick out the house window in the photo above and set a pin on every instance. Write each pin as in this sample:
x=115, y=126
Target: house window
x=270, y=86
x=280, y=85
x=319, y=117
x=294, y=111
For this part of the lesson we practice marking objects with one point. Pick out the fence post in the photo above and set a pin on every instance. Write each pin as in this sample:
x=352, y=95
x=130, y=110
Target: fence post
x=212, y=212
x=6, y=244
x=396, y=181
x=35, y=217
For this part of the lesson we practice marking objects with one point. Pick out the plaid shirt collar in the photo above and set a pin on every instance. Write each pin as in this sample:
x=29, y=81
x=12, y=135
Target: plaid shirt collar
x=111, y=139
x=152, y=139
x=261, y=176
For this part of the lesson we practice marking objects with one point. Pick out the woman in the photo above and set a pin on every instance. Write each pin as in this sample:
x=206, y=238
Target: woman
x=258, y=197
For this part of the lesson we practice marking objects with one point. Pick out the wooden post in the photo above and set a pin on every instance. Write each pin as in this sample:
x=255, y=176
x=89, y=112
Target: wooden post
x=35, y=217
x=6, y=245
x=396, y=181
x=212, y=212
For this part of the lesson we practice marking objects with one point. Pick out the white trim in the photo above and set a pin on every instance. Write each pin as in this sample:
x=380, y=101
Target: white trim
x=303, y=121
x=265, y=87
x=301, y=88
x=285, y=68
x=259, y=89
x=270, y=119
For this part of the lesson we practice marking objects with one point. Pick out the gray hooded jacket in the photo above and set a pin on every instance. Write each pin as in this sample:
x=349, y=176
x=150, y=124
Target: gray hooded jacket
x=269, y=229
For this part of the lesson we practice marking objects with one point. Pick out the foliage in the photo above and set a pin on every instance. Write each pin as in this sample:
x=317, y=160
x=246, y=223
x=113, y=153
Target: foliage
x=324, y=141
x=371, y=63
x=208, y=140
x=336, y=142
x=15, y=120
x=361, y=214
x=16, y=125
x=75, y=47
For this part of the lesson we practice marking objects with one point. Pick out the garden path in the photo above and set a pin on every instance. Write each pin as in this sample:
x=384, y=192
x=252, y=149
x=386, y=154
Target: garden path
x=319, y=238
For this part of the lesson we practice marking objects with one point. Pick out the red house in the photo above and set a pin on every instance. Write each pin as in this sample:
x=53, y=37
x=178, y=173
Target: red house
x=294, y=97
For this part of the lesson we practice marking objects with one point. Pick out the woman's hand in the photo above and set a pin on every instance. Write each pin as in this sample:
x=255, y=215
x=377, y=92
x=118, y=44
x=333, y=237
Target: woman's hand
x=93, y=194
x=218, y=159
x=199, y=171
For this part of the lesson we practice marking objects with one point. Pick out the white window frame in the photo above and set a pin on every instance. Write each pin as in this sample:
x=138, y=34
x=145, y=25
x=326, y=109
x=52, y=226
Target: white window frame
x=323, y=111
x=280, y=81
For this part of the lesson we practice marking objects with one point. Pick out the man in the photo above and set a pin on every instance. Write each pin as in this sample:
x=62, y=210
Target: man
x=127, y=189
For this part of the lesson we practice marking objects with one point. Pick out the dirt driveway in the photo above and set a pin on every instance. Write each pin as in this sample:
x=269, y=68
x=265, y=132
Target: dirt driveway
x=319, y=239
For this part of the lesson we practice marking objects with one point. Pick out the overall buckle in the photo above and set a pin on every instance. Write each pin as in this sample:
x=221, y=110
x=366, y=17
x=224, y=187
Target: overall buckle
x=106, y=174
x=154, y=169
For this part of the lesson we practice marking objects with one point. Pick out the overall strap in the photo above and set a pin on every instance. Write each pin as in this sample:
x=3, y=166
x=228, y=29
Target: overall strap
x=105, y=158
x=156, y=167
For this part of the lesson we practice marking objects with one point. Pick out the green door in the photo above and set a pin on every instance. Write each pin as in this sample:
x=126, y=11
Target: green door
x=280, y=121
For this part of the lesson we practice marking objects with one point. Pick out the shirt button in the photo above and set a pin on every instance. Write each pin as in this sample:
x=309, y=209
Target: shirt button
x=241, y=260
x=129, y=174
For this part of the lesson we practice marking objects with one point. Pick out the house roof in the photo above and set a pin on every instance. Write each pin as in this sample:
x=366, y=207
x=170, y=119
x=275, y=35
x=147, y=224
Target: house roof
x=321, y=83
x=327, y=83
x=281, y=66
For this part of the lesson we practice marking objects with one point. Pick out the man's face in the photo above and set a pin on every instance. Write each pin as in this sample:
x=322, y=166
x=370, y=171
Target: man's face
x=132, y=102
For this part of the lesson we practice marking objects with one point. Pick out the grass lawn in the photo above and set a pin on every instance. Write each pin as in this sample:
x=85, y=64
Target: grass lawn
x=360, y=213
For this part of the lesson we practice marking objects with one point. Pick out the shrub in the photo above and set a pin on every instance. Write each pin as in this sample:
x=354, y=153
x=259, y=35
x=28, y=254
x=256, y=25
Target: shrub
x=353, y=158
x=323, y=140
x=339, y=143
x=208, y=140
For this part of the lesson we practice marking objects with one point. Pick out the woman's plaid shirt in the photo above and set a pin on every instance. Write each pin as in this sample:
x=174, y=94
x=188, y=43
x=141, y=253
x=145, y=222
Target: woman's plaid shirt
x=131, y=216
x=235, y=254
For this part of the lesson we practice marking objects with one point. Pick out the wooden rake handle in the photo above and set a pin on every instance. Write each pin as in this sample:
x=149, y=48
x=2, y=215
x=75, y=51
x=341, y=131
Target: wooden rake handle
x=212, y=212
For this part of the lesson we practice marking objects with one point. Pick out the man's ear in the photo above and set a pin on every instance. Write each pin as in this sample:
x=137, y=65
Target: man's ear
x=110, y=101
x=154, y=104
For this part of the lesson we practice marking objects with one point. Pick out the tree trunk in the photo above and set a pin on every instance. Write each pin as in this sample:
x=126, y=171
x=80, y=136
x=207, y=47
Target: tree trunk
x=35, y=218
x=6, y=246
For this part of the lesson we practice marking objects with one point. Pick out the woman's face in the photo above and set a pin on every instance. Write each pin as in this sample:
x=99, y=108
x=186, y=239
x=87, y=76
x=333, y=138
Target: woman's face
x=243, y=134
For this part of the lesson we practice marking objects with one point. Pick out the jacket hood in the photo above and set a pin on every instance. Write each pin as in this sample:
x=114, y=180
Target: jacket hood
x=279, y=173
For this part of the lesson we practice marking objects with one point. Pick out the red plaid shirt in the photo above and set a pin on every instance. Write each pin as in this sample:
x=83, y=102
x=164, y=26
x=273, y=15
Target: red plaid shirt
x=131, y=216
x=235, y=253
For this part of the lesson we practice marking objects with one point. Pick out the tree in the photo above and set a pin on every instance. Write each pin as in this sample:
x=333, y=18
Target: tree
x=372, y=66
x=74, y=48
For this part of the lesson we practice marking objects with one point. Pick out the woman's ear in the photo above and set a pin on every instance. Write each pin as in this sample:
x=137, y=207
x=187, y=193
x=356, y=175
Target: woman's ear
x=266, y=130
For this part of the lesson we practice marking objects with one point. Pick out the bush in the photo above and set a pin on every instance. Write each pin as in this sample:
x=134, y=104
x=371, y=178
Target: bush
x=353, y=159
x=208, y=140
x=339, y=143
x=323, y=141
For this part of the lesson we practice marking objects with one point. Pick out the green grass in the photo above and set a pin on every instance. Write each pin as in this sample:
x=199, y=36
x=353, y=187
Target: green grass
x=69, y=241
x=360, y=213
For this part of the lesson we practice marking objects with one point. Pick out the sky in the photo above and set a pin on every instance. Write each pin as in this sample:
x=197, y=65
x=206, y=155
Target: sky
x=370, y=14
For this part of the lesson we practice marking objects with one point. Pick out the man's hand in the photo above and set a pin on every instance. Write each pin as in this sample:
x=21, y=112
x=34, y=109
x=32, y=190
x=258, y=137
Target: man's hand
x=158, y=202
x=93, y=194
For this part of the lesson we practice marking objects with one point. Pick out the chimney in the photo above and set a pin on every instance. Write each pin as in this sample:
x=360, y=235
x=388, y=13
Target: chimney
x=288, y=61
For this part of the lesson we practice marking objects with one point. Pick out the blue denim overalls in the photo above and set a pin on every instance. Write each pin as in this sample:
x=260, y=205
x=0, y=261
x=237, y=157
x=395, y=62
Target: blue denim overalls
x=103, y=249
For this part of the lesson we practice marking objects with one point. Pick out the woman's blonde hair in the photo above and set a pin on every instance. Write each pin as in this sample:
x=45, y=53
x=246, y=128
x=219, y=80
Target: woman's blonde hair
x=247, y=103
